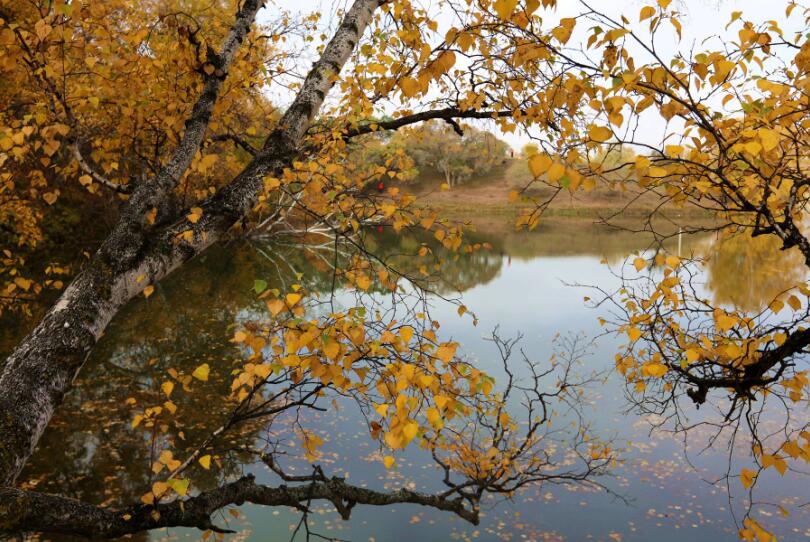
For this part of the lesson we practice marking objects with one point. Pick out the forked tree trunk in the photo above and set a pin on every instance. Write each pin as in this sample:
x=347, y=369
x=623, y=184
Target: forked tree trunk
x=42, y=368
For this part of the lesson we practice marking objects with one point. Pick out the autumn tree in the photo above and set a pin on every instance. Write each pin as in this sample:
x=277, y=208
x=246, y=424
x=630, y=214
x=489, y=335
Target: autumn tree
x=454, y=152
x=158, y=109
x=735, y=145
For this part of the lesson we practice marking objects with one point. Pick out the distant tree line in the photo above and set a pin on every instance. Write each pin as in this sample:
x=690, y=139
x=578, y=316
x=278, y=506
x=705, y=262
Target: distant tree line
x=453, y=153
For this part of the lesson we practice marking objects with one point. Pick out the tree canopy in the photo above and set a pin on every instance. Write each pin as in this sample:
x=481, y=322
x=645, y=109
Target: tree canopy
x=157, y=116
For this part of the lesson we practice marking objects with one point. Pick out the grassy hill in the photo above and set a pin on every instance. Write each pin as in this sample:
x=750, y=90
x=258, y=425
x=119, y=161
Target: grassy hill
x=489, y=194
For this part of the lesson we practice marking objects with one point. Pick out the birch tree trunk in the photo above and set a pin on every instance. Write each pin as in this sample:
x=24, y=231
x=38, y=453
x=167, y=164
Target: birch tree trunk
x=42, y=368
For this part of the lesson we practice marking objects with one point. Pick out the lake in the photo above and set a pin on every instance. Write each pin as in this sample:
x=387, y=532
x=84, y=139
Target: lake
x=529, y=283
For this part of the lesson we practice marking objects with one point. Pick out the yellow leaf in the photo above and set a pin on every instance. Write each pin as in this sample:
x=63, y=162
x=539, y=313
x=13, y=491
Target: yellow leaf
x=23, y=283
x=634, y=333
x=148, y=290
x=195, y=215
x=201, y=372
x=332, y=349
x=409, y=86
x=747, y=477
x=769, y=138
x=205, y=461
x=753, y=148
x=646, y=12
x=794, y=303
x=406, y=332
x=187, y=236
x=167, y=387
x=774, y=461
x=275, y=306
x=382, y=410
x=293, y=299
x=446, y=60
x=446, y=352
x=363, y=282
x=206, y=162
x=599, y=133
x=505, y=8
x=410, y=430
x=159, y=488
x=656, y=370
x=555, y=172
x=639, y=263
x=722, y=68
x=563, y=32
x=724, y=321
x=539, y=164
x=388, y=461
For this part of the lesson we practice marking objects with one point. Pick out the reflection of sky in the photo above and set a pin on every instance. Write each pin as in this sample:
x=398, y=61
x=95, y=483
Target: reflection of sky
x=669, y=500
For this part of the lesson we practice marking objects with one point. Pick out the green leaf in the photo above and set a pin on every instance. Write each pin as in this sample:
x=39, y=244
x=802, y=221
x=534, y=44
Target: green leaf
x=259, y=285
x=179, y=486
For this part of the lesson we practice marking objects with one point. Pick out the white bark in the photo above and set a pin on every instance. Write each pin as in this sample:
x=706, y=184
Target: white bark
x=41, y=369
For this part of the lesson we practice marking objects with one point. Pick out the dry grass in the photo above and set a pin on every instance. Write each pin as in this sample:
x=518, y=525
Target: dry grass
x=489, y=194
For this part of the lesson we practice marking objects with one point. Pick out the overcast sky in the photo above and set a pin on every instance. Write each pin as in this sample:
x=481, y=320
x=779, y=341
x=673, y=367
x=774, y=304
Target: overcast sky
x=701, y=19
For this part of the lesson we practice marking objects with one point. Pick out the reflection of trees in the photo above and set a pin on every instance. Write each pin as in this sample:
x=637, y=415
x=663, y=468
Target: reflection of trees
x=581, y=237
x=100, y=458
x=188, y=321
x=748, y=272
x=97, y=456
x=456, y=273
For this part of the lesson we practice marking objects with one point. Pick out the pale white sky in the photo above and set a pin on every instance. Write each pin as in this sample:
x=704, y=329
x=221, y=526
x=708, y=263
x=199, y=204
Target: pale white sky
x=701, y=19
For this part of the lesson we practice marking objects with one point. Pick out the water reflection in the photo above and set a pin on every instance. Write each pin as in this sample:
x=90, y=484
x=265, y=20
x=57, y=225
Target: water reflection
x=749, y=272
x=91, y=452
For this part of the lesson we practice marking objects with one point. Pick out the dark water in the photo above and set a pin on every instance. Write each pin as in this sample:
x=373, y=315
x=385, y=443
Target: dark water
x=660, y=489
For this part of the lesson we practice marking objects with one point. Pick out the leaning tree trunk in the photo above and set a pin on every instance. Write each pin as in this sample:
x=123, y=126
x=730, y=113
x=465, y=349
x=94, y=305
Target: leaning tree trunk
x=42, y=368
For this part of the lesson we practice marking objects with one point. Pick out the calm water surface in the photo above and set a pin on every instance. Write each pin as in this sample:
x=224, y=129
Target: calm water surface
x=523, y=284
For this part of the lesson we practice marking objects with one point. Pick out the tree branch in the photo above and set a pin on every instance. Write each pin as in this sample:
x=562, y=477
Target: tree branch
x=29, y=511
x=448, y=114
x=41, y=369
x=247, y=147
x=95, y=175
